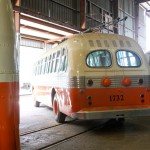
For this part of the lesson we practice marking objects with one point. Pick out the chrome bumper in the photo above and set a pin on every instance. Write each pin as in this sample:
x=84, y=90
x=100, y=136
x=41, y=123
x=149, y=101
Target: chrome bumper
x=89, y=115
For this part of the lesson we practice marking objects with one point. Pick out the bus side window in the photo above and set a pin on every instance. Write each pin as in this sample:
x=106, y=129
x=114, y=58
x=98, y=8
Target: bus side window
x=38, y=68
x=45, y=65
x=53, y=62
x=49, y=60
x=34, y=69
x=64, y=60
x=57, y=64
x=40, y=71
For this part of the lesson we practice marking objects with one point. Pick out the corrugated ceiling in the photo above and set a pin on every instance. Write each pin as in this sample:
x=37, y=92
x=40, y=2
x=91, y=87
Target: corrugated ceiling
x=146, y=6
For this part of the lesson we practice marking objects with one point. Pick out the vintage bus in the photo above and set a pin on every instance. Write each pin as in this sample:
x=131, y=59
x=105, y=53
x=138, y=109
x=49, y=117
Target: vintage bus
x=93, y=76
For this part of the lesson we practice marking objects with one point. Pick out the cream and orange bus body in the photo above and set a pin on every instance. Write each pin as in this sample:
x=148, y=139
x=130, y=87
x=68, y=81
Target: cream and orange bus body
x=94, y=76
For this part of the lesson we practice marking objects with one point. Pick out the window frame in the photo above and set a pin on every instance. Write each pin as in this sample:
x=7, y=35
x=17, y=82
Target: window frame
x=132, y=52
x=111, y=60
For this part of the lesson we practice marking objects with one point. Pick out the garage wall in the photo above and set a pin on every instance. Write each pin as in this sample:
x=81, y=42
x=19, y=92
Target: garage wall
x=54, y=9
x=126, y=8
x=98, y=12
x=142, y=28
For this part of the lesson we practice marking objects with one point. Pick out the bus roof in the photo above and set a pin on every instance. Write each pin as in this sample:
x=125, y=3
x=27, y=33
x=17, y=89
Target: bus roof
x=95, y=39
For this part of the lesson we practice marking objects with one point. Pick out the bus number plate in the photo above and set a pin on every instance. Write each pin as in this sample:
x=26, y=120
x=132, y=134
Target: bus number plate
x=117, y=98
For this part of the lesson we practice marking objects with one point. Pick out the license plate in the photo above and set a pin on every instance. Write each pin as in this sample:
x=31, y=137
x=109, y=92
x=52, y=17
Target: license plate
x=116, y=98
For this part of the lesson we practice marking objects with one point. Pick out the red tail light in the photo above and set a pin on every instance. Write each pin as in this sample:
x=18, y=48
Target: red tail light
x=126, y=81
x=106, y=82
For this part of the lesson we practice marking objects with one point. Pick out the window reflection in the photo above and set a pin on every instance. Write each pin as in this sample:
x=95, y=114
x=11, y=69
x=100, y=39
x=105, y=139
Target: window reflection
x=127, y=59
x=99, y=58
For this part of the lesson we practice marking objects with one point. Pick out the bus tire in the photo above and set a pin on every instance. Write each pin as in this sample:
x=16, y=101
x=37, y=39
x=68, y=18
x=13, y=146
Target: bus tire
x=36, y=104
x=59, y=116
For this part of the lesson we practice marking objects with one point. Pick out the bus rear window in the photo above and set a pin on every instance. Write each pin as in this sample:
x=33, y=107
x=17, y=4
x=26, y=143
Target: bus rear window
x=127, y=59
x=99, y=58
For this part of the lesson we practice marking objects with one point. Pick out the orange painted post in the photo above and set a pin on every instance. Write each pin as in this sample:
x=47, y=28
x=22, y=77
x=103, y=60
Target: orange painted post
x=9, y=80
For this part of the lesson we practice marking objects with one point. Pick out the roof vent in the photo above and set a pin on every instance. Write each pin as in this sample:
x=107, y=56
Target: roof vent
x=91, y=43
x=114, y=43
x=98, y=42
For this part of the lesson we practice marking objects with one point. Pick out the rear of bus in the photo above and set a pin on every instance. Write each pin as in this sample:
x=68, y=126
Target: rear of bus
x=111, y=78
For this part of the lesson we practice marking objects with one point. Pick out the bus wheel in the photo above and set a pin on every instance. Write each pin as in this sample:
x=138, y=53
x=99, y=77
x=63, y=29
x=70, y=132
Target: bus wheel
x=59, y=116
x=36, y=104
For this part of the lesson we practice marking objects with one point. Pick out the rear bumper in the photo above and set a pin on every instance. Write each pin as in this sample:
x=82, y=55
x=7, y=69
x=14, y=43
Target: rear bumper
x=89, y=115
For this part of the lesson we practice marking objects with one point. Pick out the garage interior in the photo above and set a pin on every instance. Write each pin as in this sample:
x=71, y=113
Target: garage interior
x=38, y=23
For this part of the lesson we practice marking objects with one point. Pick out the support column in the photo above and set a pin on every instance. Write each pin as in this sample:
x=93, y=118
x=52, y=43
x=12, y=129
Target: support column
x=82, y=14
x=17, y=17
x=9, y=80
x=136, y=20
x=17, y=28
x=115, y=14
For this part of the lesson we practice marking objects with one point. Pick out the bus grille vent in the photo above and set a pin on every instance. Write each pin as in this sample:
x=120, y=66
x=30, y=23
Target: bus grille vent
x=91, y=43
x=98, y=42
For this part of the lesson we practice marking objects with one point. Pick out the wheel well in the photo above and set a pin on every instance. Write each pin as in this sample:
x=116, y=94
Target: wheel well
x=52, y=95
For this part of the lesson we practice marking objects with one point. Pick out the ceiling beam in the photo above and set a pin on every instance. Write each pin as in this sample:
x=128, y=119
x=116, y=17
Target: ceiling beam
x=148, y=3
x=33, y=38
x=142, y=1
x=40, y=30
x=17, y=17
x=50, y=21
x=82, y=14
x=46, y=24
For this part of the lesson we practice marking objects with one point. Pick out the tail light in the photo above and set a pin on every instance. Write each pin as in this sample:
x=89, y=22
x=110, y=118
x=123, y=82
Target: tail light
x=126, y=81
x=106, y=82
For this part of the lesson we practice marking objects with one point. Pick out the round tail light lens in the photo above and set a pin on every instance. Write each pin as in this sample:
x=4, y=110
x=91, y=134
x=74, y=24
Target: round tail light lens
x=106, y=82
x=126, y=81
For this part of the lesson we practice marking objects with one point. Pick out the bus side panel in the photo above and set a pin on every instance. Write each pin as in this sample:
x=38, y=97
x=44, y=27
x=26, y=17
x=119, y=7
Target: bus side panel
x=70, y=100
x=43, y=94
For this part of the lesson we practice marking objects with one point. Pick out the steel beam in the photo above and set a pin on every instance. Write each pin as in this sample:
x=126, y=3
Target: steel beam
x=115, y=12
x=17, y=17
x=33, y=37
x=40, y=30
x=136, y=21
x=142, y=1
x=82, y=14
x=31, y=19
x=46, y=20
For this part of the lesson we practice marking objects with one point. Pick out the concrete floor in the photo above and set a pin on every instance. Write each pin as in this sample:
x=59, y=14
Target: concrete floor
x=38, y=130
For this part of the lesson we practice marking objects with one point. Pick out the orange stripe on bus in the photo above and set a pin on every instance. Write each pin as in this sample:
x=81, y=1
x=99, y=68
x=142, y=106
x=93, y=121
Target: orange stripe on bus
x=75, y=99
